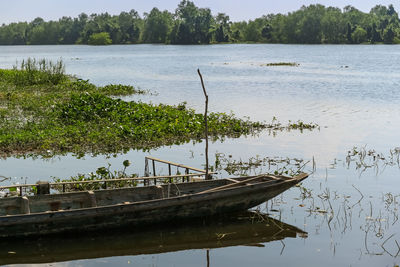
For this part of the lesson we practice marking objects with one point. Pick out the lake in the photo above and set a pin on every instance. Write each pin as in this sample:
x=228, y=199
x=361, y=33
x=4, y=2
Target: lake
x=348, y=207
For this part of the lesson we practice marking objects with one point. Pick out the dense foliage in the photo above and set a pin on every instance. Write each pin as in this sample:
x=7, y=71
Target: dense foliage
x=189, y=24
x=101, y=38
x=42, y=110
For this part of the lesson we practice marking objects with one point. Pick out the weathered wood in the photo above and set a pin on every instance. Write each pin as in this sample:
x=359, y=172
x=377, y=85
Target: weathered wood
x=233, y=184
x=146, y=170
x=187, y=177
x=169, y=172
x=110, y=180
x=92, y=197
x=176, y=164
x=25, y=205
x=43, y=188
x=136, y=206
x=154, y=171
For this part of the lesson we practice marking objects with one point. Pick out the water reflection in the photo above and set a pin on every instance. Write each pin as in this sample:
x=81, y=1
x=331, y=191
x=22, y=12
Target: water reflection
x=244, y=229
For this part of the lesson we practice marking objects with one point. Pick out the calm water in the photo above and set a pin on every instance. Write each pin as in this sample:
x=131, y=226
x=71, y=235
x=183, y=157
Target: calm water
x=352, y=92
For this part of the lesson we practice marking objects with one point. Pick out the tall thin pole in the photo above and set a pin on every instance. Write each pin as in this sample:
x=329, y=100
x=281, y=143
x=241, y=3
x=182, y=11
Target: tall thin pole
x=205, y=121
x=208, y=258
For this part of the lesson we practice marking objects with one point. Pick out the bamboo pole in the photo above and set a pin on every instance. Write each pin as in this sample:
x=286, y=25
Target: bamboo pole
x=205, y=122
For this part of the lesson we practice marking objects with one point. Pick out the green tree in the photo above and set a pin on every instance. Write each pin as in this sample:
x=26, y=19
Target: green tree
x=375, y=35
x=388, y=35
x=97, y=24
x=185, y=14
x=379, y=11
x=222, y=28
x=253, y=31
x=359, y=35
x=70, y=29
x=333, y=26
x=349, y=32
x=192, y=25
x=203, y=24
x=276, y=27
x=130, y=27
x=290, y=27
x=266, y=32
x=309, y=28
x=238, y=29
x=101, y=38
x=157, y=26
x=13, y=34
x=44, y=33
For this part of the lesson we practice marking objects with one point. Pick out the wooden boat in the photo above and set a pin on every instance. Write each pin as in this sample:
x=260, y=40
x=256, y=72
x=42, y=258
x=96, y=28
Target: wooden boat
x=135, y=206
x=243, y=229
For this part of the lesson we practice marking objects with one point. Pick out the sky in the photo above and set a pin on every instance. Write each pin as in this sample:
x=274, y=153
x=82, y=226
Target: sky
x=27, y=10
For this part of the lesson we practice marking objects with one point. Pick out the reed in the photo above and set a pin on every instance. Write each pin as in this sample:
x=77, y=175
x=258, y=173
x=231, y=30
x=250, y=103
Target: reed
x=258, y=165
x=36, y=72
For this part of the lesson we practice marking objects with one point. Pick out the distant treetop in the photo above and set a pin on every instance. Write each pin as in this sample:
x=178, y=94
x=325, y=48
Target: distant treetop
x=189, y=24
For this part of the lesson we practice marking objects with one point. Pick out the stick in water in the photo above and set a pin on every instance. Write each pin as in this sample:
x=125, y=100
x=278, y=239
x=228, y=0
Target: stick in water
x=205, y=121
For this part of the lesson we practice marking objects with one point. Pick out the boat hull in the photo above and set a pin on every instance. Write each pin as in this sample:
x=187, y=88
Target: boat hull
x=155, y=211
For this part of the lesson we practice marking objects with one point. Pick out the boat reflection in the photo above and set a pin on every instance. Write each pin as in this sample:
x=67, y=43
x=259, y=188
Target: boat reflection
x=247, y=228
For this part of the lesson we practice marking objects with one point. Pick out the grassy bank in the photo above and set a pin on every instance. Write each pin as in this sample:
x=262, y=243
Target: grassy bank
x=44, y=111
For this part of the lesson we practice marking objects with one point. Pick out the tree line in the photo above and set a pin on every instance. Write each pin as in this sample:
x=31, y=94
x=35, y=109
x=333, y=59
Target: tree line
x=189, y=24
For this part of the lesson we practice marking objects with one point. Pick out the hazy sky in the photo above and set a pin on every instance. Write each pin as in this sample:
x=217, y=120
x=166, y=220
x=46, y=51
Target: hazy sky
x=27, y=10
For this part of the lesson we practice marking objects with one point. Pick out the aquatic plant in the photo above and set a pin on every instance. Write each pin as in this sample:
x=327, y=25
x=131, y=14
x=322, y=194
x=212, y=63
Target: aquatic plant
x=28, y=118
x=77, y=116
x=141, y=125
x=275, y=126
x=364, y=158
x=257, y=165
x=59, y=115
x=300, y=125
x=274, y=64
x=120, y=89
x=378, y=219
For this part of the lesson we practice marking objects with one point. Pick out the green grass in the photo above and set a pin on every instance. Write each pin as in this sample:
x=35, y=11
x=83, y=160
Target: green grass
x=35, y=72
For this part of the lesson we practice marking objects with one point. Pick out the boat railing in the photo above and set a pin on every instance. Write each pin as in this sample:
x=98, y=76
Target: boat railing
x=105, y=182
x=19, y=189
x=186, y=168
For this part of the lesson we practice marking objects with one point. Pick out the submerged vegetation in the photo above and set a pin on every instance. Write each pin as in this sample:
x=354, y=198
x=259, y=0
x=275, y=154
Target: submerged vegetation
x=189, y=24
x=275, y=126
